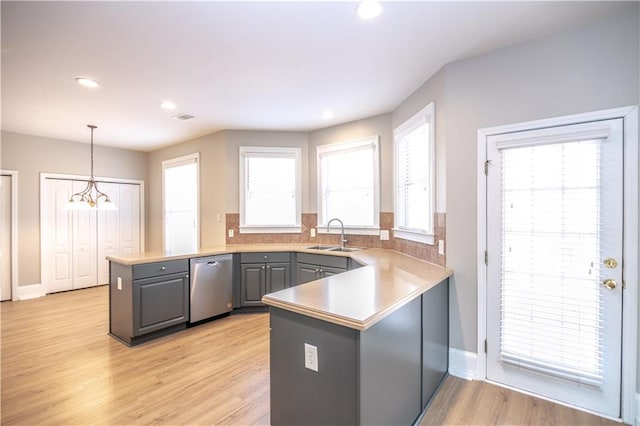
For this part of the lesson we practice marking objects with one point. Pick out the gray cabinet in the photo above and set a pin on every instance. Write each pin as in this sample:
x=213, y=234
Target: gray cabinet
x=310, y=267
x=148, y=300
x=383, y=375
x=262, y=273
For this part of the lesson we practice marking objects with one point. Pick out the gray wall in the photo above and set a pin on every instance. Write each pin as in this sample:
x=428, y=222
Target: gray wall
x=589, y=69
x=213, y=189
x=234, y=139
x=32, y=155
x=377, y=125
x=433, y=90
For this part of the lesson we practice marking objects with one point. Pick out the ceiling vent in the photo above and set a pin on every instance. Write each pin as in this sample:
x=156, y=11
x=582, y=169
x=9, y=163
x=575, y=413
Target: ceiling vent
x=183, y=117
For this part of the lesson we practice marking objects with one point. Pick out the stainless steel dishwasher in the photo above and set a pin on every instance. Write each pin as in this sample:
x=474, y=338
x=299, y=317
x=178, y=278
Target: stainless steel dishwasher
x=211, y=286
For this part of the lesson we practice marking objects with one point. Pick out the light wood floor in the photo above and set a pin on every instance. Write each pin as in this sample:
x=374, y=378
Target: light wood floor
x=59, y=366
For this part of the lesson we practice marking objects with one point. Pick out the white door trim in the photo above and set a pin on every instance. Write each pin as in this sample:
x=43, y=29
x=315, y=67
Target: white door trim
x=14, y=231
x=44, y=176
x=630, y=248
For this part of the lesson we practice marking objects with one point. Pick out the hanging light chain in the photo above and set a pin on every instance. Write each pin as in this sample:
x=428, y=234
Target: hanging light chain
x=86, y=196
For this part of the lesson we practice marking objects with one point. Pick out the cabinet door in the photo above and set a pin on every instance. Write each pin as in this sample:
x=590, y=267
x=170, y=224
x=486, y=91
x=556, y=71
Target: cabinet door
x=252, y=283
x=160, y=302
x=327, y=271
x=306, y=273
x=278, y=276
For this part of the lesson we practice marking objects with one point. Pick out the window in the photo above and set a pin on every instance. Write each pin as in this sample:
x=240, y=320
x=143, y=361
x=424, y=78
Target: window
x=348, y=184
x=414, y=177
x=180, y=204
x=270, y=189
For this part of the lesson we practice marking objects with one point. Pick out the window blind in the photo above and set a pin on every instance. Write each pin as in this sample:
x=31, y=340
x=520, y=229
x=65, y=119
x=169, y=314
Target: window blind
x=270, y=189
x=551, y=310
x=412, y=181
x=347, y=183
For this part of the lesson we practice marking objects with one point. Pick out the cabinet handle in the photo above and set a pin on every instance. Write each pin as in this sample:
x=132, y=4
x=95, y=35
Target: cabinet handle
x=262, y=267
x=164, y=268
x=317, y=270
x=268, y=266
x=321, y=270
x=265, y=257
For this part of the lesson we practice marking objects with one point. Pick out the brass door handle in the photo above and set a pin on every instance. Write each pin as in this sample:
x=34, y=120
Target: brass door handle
x=610, y=284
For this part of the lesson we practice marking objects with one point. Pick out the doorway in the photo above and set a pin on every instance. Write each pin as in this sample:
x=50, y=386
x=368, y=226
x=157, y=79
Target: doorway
x=180, y=192
x=8, y=222
x=555, y=261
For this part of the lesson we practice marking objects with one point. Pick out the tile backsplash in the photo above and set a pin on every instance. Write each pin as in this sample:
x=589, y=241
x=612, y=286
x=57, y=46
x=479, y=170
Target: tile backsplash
x=310, y=220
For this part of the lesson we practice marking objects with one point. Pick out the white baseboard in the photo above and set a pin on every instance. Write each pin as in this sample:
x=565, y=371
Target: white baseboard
x=638, y=409
x=32, y=291
x=463, y=364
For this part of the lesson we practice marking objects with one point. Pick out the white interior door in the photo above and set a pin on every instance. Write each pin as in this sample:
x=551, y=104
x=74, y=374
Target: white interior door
x=118, y=230
x=85, y=253
x=108, y=231
x=57, y=235
x=554, y=285
x=7, y=237
x=129, y=210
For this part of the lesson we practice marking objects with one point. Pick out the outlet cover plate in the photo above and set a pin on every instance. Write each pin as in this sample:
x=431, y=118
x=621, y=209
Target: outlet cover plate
x=311, y=357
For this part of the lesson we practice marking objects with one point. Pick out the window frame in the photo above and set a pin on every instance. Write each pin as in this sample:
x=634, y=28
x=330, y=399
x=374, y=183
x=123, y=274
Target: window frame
x=345, y=146
x=425, y=116
x=296, y=152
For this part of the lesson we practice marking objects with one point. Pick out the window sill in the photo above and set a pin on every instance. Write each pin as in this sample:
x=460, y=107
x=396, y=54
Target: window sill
x=348, y=230
x=414, y=236
x=270, y=229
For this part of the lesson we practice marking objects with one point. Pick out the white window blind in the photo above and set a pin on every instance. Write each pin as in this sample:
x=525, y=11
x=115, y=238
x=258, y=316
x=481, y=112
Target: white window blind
x=551, y=306
x=414, y=177
x=270, y=189
x=348, y=183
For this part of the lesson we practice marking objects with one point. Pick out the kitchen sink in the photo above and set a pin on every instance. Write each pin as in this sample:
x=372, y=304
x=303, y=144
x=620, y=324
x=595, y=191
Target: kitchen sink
x=322, y=248
x=345, y=249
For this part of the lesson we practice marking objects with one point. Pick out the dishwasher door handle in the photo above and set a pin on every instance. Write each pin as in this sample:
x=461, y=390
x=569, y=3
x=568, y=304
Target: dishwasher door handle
x=212, y=263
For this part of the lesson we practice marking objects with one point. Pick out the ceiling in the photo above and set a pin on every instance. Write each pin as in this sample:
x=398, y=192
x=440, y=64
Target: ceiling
x=240, y=65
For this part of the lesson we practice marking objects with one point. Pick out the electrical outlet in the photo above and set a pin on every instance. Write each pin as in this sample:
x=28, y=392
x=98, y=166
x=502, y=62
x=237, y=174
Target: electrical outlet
x=441, y=247
x=219, y=217
x=311, y=357
x=230, y=233
x=119, y=283
x=384, y=235
x=313, y=232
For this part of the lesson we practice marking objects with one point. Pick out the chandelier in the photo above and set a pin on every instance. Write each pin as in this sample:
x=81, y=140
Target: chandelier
x=91, y=196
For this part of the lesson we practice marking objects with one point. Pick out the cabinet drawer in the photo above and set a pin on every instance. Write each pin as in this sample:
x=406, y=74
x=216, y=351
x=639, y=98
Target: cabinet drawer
x=160, y=268
x=322, y=260
x=264, y=257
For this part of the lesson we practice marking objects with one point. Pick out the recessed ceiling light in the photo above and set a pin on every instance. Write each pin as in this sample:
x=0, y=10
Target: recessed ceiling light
x=87, y=82
x=327, y=114
x=168, y=105
x=369, y=9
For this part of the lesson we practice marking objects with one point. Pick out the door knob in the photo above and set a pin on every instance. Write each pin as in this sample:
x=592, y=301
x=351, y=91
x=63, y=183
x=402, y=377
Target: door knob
x=609, y=283
x=610, y=262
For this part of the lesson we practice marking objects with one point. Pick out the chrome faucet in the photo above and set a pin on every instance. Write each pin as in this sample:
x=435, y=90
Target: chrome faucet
x=343, y=240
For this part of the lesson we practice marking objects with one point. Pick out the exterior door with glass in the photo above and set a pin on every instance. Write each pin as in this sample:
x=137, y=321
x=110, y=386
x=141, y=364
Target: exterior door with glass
x=554, y=262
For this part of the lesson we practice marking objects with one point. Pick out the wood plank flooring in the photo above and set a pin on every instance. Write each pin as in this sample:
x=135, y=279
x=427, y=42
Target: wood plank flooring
x=463, y=402
x=60, y=367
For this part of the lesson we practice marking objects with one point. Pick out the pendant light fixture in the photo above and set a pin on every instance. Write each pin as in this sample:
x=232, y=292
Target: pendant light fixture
x=91, y=196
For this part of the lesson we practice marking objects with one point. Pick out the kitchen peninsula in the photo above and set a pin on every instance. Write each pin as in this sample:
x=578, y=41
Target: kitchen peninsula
x=374, y=339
